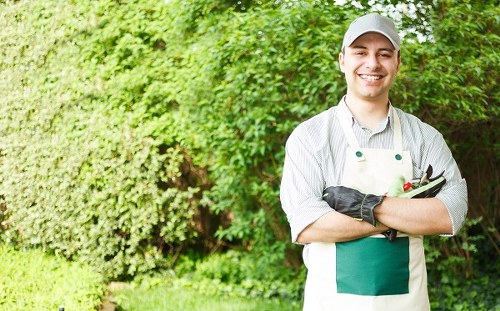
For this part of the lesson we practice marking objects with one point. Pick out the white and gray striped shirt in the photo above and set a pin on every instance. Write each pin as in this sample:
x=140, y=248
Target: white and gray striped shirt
x=315, y=156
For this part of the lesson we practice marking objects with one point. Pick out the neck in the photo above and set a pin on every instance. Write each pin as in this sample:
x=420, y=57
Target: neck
x=368, y=113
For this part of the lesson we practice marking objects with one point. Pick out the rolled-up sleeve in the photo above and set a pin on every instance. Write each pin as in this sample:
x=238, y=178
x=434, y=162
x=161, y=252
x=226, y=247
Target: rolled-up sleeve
x=455, y=200
x=302, y=183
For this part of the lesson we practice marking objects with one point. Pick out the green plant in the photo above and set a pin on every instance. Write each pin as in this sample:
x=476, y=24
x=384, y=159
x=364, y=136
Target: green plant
x=33, y=280
x=83, y=172
x=453, y=291
x=461, y=274
x=237, y=273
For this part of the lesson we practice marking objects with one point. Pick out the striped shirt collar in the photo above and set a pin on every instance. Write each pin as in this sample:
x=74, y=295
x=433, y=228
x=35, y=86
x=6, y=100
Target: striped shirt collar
x=344, y=109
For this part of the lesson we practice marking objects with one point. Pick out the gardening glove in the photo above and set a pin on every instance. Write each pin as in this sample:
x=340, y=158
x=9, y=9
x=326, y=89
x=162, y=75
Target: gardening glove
x=424, y=187
x=352, y=203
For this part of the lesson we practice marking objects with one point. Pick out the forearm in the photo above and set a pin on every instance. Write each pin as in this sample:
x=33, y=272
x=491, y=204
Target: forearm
x=415, y=216
x=336, y=227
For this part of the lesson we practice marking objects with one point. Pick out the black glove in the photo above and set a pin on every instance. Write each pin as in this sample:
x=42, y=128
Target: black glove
x=352, y=203
x=422, y=188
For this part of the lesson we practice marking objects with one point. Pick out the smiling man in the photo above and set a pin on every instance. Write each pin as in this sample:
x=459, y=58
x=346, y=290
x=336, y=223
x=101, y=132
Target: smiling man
x=363, y=248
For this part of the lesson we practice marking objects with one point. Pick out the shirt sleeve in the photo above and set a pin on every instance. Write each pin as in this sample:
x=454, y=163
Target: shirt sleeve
x=302, y=183
x=454, y=192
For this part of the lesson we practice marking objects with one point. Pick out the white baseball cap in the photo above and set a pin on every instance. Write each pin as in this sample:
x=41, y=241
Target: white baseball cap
x=372, y=23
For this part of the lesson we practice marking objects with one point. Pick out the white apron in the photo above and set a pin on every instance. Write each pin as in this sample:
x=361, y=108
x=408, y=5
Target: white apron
x=369, y=273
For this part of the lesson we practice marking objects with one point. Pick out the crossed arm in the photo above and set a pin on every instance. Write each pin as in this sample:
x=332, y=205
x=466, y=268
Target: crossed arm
x=412, y=216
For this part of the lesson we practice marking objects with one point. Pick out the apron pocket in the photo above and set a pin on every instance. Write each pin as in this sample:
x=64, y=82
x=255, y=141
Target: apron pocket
x=373, y=266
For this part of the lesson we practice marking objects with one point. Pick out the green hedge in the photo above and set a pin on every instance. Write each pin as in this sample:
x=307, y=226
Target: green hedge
x=83, y=172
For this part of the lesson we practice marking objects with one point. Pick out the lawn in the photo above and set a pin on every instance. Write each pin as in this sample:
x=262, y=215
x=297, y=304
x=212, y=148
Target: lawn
x=175, y=297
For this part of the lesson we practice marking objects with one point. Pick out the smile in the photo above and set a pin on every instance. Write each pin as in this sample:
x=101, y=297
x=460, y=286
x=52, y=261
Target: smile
x=370, y=77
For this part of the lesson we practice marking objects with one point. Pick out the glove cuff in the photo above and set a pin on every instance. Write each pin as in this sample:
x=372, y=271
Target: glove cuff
x=370, y=201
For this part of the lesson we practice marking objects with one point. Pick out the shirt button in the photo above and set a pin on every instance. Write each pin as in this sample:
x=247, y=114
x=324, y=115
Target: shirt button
x=359, y=154
x=398, y=157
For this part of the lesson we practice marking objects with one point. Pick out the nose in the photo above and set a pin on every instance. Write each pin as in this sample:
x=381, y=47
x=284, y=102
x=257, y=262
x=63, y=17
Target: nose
x=372, y=62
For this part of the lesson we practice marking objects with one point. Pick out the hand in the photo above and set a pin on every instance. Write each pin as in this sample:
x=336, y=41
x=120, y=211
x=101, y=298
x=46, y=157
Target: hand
x=352, y=203
x=424, y=188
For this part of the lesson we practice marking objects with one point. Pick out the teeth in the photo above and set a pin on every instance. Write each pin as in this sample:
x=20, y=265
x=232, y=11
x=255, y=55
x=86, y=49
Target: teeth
x=370, y=77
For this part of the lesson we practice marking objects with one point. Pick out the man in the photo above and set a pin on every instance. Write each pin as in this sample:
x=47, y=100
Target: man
x=340, y=164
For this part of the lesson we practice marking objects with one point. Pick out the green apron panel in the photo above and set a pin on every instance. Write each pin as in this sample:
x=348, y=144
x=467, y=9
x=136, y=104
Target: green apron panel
x=373, y=266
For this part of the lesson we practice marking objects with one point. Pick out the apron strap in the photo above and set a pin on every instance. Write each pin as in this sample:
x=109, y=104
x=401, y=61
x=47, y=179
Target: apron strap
x=346, y=124
x=398, y=135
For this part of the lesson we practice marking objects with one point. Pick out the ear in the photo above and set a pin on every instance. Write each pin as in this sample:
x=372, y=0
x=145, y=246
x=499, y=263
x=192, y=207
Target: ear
x=341, y=62
x=399, y=61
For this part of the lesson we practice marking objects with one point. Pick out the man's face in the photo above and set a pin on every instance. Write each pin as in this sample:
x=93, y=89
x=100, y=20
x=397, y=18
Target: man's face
x=370, y=64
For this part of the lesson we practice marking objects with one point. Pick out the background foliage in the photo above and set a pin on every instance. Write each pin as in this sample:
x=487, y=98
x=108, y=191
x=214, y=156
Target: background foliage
x=33, y=280
x=136, y=131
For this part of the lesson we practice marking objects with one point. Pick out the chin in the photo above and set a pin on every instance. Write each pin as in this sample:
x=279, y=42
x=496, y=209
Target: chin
x=373, y=96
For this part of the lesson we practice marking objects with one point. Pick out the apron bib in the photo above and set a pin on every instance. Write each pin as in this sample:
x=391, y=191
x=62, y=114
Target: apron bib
x=369, y=273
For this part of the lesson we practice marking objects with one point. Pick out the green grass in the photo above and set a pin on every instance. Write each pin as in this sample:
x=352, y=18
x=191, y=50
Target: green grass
x=32, y=280
x=175, y=297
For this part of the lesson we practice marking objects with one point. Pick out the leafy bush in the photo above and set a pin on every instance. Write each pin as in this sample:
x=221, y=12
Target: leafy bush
x=82, y=171
x=33, y=280
x=453, y=291
x=461, y=275
x=236, y=273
